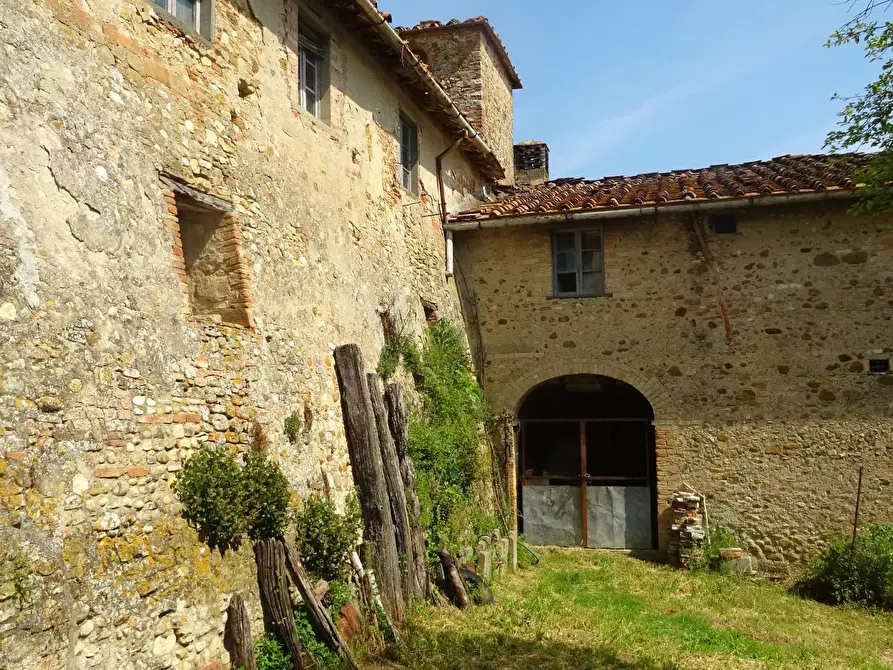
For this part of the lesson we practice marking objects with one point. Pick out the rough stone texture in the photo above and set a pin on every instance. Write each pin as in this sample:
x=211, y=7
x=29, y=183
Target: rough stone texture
x=773, y=427
x=109, y=375
x=468, y=67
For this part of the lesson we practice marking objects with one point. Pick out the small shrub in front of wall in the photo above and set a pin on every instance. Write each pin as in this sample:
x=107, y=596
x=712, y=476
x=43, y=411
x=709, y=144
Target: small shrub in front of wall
x=269, y=654
x=323, y=657
x=210, y=490
x=446, y=437
x=860, y=573
x=325, y=538
x=707, y=556
x=224, y=501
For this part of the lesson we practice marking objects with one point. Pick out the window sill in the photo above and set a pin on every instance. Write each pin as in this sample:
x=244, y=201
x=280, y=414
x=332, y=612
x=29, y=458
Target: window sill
x=407, y=193
x=176, y=23
x=579, y=296
x=318, y=122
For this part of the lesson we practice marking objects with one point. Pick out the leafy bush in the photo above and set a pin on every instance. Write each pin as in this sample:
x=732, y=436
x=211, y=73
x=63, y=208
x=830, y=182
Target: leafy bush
x=707, y=556
x=210, y=490
x=403, y=348
x=323, y=657
x=325, y=538
x=292, y=427
x=339, y=595
x=224, y=501
x=445, y=439
x=265, y=496
x=270, y=654
x=846, y=573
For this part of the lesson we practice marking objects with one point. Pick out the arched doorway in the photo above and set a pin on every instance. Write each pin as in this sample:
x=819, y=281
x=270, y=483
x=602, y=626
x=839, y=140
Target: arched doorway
x=587, y=464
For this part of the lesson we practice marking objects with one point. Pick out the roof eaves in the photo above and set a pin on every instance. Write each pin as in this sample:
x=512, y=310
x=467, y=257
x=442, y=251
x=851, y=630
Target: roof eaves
x=370, y=25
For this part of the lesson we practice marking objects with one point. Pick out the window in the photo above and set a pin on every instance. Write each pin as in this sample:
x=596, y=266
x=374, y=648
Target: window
x=578, y=262
x=311, y=58
x=409, y=155
x=724, y=224
x=879, y=365
x=196, y=15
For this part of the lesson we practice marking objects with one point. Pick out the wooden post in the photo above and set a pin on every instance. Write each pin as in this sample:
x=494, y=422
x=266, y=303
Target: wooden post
x=279, y=617
x=399, y=425
x=396, y=490
x=511, y=469
x=237, y=635
x=319, y=617
x=584, y=501
x=368, y=474
x=455, y=588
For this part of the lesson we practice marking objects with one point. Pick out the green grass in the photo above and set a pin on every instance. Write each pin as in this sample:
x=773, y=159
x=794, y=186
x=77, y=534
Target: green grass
x=583, y=609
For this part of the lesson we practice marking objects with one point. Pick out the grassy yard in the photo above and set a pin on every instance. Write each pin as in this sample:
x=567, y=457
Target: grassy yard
x=583, y=609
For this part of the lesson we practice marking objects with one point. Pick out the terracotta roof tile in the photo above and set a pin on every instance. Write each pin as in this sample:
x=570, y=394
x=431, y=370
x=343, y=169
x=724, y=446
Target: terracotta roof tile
x=778, y=176
x=478, y=21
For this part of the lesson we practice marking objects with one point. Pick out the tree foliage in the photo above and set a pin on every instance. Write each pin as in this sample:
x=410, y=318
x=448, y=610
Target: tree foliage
x=866, y=120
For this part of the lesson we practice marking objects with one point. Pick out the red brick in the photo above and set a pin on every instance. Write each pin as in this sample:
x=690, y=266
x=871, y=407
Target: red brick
x=137, y=472
x=15, y=455
x=181, y=417
x=193, y=418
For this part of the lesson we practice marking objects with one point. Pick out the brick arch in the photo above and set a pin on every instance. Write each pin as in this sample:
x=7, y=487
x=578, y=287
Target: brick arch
x=512, y=395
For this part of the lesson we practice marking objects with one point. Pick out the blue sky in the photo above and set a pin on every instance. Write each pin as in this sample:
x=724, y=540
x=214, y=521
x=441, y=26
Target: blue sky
x=640, y=86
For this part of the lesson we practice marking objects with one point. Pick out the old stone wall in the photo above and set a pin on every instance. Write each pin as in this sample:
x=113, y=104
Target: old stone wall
x=111, y=374
x=771, y=427
x=467, y=65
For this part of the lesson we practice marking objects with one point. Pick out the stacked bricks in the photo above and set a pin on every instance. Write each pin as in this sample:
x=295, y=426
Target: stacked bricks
x=686, y=532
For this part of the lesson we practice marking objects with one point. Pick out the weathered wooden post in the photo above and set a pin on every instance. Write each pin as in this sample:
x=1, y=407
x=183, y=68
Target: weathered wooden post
x=368, y=473
x=399, y=424
x=396, y=491
x=237, y=635
x=274, y=600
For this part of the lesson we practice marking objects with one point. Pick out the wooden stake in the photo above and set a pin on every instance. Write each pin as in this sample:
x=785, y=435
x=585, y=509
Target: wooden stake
x=322, y=623
x=399, y=424
x=237, y=635
x=396, y=491
x=368, y=474
x=856, y=518
x=584, y=501
x=275, y=602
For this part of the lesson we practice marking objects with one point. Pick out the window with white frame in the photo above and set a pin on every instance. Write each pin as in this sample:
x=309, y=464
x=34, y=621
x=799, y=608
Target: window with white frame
x=578, y=262
x=197, y=15
x=409, y=155
x=311, y=72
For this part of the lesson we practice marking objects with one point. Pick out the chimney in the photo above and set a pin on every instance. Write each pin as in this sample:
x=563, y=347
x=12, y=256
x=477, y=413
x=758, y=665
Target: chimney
x=531, y=163
x=472, y=65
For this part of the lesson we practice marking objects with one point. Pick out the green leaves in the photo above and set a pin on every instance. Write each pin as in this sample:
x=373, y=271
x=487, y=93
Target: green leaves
x=224, y=501
x=325, y=538
x=865, y=120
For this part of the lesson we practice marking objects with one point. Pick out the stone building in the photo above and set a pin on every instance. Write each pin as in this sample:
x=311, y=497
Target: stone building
x=198, y=202
x=725, y=330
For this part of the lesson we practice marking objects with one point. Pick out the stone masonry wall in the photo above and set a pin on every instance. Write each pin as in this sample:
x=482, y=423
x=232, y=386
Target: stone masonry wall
x=109, y=375
x=772, y=427
x=467, y=66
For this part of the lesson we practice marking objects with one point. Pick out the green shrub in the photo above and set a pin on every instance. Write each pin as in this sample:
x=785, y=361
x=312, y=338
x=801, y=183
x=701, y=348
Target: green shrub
x=339, y=595
x=323, y=657
x=445, y=439
x=270, y=654
x=325, y=538
x=403, y=348
x=847, y=573
x=707, y=557
x=224, y=501
x=266, y=497
x=210, y=490
x=292, y=427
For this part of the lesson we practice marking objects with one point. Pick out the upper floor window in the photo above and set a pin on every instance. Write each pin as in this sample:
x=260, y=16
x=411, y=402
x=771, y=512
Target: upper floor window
x=578, y=262
x=311, y=73
x=195, y=15
x=724, y=224
x=409, y=155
